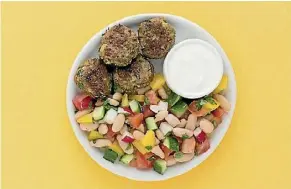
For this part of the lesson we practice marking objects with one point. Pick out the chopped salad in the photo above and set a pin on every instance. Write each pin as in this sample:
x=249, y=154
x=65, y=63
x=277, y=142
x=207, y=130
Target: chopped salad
x=154, y=129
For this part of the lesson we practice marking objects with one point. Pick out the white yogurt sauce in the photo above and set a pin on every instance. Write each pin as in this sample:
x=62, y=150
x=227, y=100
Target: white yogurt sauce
x=193, y=68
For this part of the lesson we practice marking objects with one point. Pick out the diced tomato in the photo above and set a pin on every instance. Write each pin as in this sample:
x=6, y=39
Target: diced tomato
x=133, y=163
x=218, y=112
x=193, y=109
x=82, y=101
x=166, y=151
x=203, y=147
x=142, y=161
x=152, y=97
x=135, y=120
x=110, y=134
x=128, y=110
x=147, y=112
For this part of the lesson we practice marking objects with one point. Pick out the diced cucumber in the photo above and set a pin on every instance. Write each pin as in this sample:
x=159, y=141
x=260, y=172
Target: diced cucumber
x=171, y=143
x=126, y=159
x=134, y=106
x=110, y=116
x=93, y=135
x=98, y=113
x=110, y=155
x=160, y=166
x=179, y=109
x=151, y=124
x=173, y=99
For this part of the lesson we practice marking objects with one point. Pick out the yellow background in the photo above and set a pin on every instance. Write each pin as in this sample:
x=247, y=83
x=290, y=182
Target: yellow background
x=40, y=42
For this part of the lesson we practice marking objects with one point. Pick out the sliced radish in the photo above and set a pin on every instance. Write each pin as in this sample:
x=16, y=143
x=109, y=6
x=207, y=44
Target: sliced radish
x=199, y=135
x=122, y=111
x=165, y=128
x=127, y=137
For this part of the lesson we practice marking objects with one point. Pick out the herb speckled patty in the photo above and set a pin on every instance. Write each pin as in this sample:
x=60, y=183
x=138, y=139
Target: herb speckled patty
x=138, y=75
x=119, y=45
x=93, y=78
x=156, y=37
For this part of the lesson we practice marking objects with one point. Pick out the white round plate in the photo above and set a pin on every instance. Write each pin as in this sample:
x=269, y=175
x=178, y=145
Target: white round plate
x=185, y=29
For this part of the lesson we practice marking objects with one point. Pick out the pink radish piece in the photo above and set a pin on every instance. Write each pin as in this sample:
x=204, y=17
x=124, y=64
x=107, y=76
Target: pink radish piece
x=127, y=137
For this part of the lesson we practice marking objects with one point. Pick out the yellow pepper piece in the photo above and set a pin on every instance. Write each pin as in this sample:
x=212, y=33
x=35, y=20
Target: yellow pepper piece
x=138, y=145
x=222, y=85
x=149, y=139
x=139, y=98
x=124, y=101
x=116, y=148
x=157, y=82
x=93, y=135
x=86, y=119
x=212, y=106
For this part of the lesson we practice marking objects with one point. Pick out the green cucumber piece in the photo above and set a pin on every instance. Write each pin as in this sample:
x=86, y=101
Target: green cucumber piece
x=179, y=109
x=173, y=99
x=126, y=159
x=171, y=143
x=151, y=124
x=160, y=166
x=98, y=113
x=110, y=155
x=134, y=106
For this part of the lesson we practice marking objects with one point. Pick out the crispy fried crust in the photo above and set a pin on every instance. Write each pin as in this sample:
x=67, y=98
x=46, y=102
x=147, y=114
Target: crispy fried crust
x=119, y=45
x=138, y=75
x=93, y=78
x=156, y=37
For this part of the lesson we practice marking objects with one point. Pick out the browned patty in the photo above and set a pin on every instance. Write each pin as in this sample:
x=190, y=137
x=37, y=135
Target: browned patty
x=93, y=78
x=156, y=37
x=119, y=45
x=138, y=75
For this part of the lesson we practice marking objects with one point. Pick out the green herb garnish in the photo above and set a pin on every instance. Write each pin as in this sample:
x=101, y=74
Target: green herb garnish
x=185, y=136
x=210, y=100
x=80, y=85
x=152, y=158
x=200, y=103
x=149, y=147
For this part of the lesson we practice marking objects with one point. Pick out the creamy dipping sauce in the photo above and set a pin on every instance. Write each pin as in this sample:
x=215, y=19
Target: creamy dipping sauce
x=193, y=68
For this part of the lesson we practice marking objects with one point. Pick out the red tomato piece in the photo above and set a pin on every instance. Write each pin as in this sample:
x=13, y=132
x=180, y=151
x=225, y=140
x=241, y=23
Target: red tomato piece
x=82, y=101
x=193, y=109
x=135, y=120
x=147, y=112
x=203, y=147
x=133, y=163
x=110, y=134
x=152, y=97
x=218, y=112
x=142, y=161
x=166, y=151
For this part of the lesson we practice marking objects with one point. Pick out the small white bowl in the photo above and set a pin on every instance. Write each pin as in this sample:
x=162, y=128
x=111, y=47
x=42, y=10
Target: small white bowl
x=193, y=68
x=185, y=29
